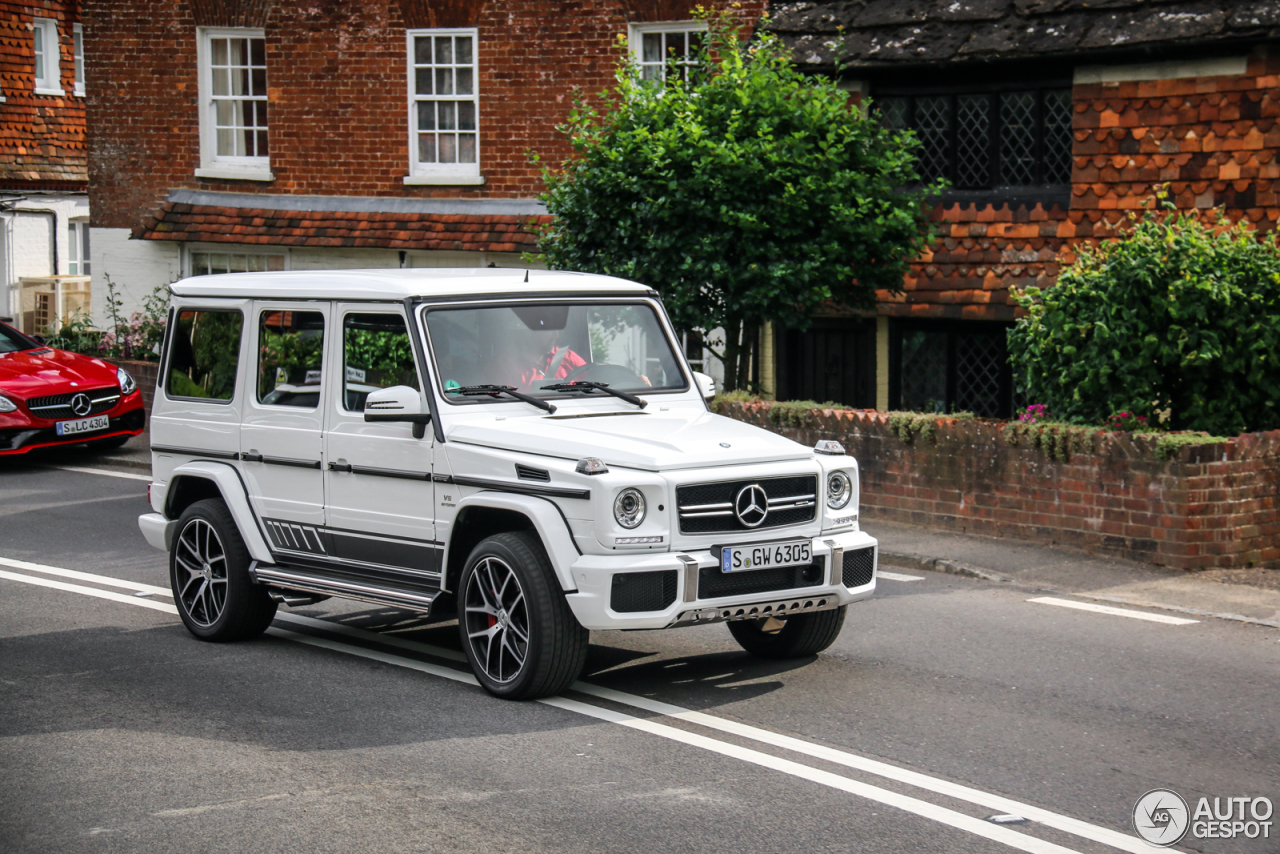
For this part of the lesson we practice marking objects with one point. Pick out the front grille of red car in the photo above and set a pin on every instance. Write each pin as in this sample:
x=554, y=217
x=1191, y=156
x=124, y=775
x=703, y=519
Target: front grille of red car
x=58, y=406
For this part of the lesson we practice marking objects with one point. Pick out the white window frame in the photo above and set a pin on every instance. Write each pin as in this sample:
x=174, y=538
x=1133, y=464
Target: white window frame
x=77, y=241
x=47, y=61
x=77, y=42
x=636, y=33
x=188, y=260
x=211, y=164
x=441, y=173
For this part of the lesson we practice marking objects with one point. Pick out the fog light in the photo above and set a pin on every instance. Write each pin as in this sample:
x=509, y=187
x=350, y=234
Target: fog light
x=635, y=541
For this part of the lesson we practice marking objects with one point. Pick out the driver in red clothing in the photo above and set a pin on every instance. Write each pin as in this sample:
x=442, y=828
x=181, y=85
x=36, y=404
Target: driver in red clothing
x=557, y=364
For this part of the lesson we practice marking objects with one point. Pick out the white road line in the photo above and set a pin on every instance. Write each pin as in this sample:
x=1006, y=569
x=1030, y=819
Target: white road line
x=872, y=766
x=894, y=576
x=85, y=576
x=90, y=591
x=1115, y=612
x=924, y=781
x=103, y=472
x=960, y=821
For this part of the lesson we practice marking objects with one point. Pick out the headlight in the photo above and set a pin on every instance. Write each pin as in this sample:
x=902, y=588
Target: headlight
x=7, y=405
x=127, y=383
x=839, y=490
x=628, y=508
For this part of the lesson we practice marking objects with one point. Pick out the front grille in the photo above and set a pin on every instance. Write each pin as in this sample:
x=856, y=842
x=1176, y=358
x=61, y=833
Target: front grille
x=58, y=406
x=643, y=591
x=714, y=584
x=11, y=440
x=859, y=567
x=707, y=508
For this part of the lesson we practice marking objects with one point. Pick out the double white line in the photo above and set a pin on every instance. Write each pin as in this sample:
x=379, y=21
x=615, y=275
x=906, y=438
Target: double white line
x=141, y=594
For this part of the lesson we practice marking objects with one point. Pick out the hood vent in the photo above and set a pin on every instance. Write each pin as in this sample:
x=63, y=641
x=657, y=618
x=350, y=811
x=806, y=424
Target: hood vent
x=527, y=473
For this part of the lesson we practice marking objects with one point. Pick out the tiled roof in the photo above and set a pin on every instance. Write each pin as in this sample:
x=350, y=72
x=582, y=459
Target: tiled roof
x=870, y=33
x=42, y=137
x=392, y=229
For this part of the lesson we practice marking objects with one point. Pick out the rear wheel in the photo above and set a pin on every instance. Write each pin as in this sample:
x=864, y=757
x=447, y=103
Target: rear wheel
x=797, y=636
x=520, y=637
x=209, y=574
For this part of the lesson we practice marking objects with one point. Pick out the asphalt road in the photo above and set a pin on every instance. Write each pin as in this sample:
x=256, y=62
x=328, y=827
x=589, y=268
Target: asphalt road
x=350, y=728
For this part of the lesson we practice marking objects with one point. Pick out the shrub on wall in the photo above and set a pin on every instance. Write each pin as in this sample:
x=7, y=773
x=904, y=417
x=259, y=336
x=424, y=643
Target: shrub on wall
x=1178, y=323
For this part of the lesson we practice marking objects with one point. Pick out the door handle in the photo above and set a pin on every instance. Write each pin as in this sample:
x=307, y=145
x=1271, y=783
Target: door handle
x=251, y=458
x=340, y=467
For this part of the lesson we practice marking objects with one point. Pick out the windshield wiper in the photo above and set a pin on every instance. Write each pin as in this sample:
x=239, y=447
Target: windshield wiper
x=495, y=390
x=587, y=386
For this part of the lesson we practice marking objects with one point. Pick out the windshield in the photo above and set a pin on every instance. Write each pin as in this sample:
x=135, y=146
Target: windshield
x=11, y=340
x=530, y=346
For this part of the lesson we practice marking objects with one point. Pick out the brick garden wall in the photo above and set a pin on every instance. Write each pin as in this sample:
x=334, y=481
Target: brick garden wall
x=1211, y=506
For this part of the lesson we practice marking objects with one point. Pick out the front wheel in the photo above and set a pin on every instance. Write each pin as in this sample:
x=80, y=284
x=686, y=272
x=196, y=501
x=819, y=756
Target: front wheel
x=209, y=574
x=520, y=637
x=798, y=636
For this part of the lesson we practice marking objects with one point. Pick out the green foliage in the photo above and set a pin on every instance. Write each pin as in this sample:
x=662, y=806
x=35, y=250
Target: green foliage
x=747, y=193
x=798, y=413
x=1169, y=444
x=293, y=352
x=1056, y=439
x=723, y=400
x=1178, y=323
x=76, y=334
x=385, y=356
x=909, y=426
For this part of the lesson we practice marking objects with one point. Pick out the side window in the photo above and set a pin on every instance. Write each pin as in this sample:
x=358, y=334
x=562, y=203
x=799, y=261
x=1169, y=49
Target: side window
x=290, y=353
x=376, y=354
x=204, y=352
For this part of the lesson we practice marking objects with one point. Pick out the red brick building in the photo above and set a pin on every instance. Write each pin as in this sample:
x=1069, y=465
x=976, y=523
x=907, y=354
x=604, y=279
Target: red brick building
x=251, y=134
x=44, y=204
x=246, y=134
x=1052, y=120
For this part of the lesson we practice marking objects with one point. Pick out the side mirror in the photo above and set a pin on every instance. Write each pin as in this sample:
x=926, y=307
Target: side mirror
x=706, y=385
x=400, y=403
x=39, y=339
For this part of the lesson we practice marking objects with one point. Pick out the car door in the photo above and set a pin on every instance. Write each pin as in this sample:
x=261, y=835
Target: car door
x=281, y=434
x=378, y=487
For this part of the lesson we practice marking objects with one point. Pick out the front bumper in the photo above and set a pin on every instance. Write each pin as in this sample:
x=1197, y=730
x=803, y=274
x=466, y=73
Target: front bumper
x=594, y=578
x=21, y=433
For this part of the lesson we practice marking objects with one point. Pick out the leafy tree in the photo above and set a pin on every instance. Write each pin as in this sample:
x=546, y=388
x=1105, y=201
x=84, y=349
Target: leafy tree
x=1179, y=323
x=743, y=192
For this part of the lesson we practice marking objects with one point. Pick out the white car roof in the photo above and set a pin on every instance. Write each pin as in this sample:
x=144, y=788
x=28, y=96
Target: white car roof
x=397, y=284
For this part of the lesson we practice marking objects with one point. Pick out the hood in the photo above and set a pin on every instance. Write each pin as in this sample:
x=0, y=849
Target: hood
x=657, y=442
x=36, y=373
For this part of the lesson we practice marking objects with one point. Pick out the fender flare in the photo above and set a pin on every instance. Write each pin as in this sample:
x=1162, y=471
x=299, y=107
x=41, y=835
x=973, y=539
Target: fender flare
x=548, y=522
x=232, y=488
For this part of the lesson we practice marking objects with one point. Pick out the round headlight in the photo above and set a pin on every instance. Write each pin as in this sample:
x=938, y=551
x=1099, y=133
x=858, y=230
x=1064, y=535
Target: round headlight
x=839, y=490
x=127, y=383
x=7, y=405
x=628, y=508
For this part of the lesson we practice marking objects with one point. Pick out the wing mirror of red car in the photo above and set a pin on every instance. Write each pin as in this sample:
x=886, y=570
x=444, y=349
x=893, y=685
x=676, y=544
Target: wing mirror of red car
x=39, y=339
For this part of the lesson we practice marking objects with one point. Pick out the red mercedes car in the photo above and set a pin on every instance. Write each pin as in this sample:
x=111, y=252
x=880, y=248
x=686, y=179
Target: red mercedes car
x=52, y=397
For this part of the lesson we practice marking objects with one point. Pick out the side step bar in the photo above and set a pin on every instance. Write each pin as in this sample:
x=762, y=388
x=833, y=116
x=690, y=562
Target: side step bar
x=292, y=579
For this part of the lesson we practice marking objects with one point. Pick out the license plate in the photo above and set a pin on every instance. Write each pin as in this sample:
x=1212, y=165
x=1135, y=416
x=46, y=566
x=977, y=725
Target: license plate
x=765, y=556
x=84, y=425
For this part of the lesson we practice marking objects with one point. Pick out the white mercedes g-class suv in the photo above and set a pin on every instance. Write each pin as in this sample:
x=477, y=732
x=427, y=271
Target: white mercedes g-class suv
x=528, y=450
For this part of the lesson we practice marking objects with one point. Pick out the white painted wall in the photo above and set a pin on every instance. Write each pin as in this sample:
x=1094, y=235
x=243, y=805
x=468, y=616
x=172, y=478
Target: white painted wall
x=135, y=268
x=308, y=258
x=25, y=248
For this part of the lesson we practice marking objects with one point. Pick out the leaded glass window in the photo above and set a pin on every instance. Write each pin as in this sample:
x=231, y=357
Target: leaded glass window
x=986, y=140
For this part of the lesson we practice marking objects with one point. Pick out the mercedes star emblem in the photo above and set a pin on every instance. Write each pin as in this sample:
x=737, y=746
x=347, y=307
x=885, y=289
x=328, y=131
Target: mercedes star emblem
x=81, y=404
x=751, y=505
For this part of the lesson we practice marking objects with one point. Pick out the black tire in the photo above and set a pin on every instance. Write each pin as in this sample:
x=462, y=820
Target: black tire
x=507, y=589
x=801, y=635
x=207, y=554
x=109, y=444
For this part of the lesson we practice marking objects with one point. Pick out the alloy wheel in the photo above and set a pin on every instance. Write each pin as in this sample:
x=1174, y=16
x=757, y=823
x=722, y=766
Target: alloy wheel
x=200, y=554
x=497, y=620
